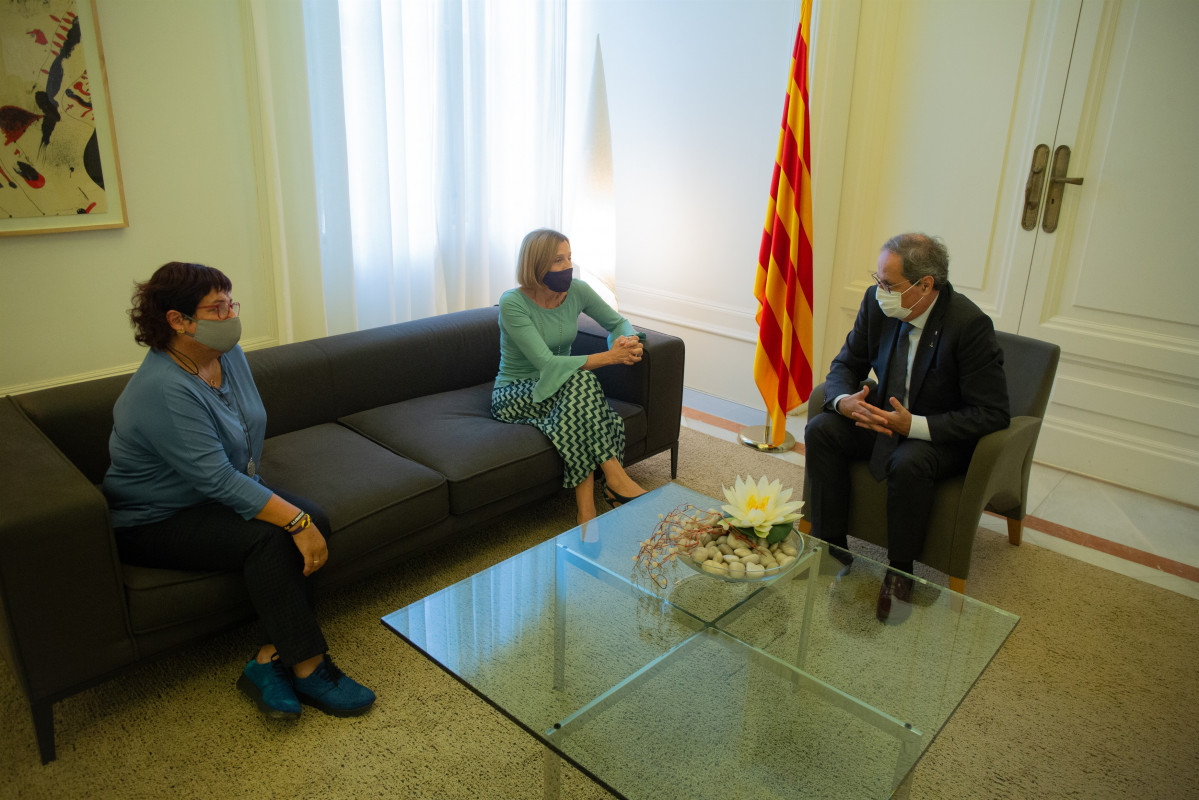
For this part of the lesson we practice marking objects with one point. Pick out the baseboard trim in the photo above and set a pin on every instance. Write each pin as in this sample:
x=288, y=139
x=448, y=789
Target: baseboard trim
x=1111, y=548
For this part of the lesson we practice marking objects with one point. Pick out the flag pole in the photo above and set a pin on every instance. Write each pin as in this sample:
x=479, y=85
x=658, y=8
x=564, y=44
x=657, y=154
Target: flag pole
x=783, y=282
x=758, y=437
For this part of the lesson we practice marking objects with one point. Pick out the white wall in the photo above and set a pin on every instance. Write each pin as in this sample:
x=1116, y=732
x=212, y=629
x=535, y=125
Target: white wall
x=183, y=87
x=209, y=104
x=695, y=93
x=695, y=97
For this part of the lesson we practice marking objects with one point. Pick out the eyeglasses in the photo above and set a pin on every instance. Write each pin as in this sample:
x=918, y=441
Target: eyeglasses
x=886, y=287
x=224, y=308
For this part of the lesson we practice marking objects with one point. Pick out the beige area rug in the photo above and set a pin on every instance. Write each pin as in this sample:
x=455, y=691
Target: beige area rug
x=1095, y=694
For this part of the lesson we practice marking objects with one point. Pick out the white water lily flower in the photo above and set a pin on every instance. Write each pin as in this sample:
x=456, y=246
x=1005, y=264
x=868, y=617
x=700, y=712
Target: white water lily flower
x=760, y=506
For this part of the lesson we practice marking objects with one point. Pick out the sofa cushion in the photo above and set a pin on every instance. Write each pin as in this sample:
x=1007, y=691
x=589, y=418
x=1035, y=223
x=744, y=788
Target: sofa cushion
x=372, y=495
x=78, y=419
x=394, y=363
x=165, y=598
x=636, y=428
x=483, y=460
x=278, y=374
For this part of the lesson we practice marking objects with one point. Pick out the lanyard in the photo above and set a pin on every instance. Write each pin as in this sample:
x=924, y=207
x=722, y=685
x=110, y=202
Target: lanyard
x=251, y=467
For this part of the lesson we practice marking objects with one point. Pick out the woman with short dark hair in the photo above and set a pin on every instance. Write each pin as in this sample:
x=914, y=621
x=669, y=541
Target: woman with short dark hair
x=184, y=491
x=543, y=385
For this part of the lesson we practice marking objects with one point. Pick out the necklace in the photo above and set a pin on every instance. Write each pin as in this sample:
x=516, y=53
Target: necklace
x=194, y=368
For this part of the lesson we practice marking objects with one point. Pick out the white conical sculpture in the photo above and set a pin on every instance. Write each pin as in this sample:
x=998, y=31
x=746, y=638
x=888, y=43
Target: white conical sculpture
x=593, y=232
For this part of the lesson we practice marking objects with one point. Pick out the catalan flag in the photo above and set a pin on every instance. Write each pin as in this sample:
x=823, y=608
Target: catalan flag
x=783, y=284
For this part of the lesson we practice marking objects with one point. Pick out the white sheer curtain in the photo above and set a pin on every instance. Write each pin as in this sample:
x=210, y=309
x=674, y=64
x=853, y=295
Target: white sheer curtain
x=438, y=139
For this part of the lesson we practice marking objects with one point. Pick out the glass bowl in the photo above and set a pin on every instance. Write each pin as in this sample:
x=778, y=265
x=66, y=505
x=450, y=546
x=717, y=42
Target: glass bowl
x=793, y=538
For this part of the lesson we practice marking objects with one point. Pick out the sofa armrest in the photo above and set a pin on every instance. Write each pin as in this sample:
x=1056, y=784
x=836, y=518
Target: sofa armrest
x=998, y=474
x=655, y=383
x=63, y=618
x=815, y=401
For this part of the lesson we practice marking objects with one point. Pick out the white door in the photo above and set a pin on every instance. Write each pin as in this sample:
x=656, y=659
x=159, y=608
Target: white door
x=1115, y=284
x=950, y=100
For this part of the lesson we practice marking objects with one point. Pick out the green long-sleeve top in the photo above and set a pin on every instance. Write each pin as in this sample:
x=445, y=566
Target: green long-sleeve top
x=535, y=342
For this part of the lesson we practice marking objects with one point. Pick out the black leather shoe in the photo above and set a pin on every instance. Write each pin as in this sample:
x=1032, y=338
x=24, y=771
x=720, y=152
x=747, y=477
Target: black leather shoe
x=844, y=558
x=883, y=609
x=894, y=587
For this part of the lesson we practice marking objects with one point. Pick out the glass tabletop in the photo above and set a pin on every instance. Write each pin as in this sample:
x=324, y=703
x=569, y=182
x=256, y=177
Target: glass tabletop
x=705, y=687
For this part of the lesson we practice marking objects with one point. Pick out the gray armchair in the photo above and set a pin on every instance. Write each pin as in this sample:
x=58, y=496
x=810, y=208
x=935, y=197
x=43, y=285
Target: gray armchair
x=997, y=479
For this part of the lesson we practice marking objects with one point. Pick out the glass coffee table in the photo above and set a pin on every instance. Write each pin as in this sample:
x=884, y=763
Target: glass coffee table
x=707, y=688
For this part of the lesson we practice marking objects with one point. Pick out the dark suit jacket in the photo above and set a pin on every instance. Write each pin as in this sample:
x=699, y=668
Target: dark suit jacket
x=957, y=378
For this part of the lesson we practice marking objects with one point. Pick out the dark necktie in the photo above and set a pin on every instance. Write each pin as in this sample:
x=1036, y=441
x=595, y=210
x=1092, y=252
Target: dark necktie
x=897, y=378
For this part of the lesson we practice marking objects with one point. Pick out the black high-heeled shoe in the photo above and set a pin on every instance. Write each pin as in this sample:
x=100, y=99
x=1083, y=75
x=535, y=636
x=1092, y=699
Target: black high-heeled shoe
x=613, y=499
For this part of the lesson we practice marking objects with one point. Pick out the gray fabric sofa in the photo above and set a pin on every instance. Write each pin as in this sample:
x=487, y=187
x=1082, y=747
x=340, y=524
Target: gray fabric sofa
x=387, y=429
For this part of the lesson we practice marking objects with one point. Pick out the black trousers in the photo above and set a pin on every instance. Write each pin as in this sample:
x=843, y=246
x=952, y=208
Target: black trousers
x=833, y=442
x=213, y=537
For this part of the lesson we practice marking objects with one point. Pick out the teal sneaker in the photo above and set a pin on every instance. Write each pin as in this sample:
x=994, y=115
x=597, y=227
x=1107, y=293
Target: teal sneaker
x=270, y=686
x=332, y=691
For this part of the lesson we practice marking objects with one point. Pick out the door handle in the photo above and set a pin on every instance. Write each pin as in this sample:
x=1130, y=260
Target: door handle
x=1057, y=185
x=1034, y=186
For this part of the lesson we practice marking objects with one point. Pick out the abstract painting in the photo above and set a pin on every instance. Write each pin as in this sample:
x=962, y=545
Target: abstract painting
x=58, y=161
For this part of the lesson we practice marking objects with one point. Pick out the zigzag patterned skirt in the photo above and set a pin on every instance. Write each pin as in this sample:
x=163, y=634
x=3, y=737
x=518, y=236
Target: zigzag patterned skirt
x=577, y=419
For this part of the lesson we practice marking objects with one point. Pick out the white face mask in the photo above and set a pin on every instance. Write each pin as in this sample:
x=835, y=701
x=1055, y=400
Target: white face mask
x=891, y=302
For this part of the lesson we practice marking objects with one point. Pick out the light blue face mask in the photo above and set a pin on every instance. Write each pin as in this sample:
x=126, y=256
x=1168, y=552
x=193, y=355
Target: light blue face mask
x=221, y=335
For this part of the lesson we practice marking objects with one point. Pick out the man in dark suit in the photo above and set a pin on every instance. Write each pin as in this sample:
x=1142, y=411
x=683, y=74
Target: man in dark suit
x=941, y=387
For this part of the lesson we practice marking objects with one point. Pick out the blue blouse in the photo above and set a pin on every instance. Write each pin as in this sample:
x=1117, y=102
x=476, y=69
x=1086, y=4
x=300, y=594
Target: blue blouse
x=177, y=442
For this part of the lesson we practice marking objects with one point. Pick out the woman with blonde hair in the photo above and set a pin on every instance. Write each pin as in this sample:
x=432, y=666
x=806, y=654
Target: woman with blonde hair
x=541, y=384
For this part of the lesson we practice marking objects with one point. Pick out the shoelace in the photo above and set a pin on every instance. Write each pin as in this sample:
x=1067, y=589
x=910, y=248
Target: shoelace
x=283, y=672
x=334, y=673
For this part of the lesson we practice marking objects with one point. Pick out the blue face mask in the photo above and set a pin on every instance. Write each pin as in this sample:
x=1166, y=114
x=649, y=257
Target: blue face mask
x=558, y=281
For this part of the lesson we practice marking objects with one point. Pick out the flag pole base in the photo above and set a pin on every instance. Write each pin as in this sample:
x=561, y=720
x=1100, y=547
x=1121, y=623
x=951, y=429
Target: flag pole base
x=758, y=437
